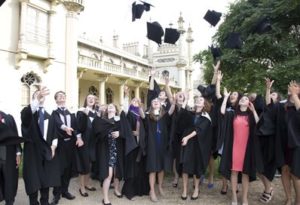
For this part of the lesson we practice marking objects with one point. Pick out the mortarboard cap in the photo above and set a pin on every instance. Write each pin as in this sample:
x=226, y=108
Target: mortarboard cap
x=171, y=35
x=147, y=5
x=154, y=32
x=212, y=17
x=207, y=92
x=216, y=52
x=1, y=2
x=262, y=26
x=137, y=11
x=234, y=40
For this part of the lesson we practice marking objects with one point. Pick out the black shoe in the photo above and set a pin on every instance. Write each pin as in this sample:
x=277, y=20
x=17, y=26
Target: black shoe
x=118, y=195
x=194, y=198
x=224, y=192
x=90, y=188
x=105, y=203
x=68, y=196
x=55, y=200
x=183, y=197
x=83, y=194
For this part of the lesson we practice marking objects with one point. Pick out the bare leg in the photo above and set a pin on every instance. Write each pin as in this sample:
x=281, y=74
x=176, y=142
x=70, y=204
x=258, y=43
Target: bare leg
x=224, y=185
x=234, y=183
x=116, y=186
x=87, y=180
x=266, y=182
x=245, y=184
x=152, y=179
x=211, y=169
x=106, y=184
x=185, y=179
x=196, y=185
x=286, y=182
x=82, y=183
x=176, y=176
x=296, y=182
x=160, y=182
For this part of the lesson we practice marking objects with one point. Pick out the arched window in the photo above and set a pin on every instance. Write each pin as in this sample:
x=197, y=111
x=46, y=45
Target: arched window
x=30, y=83
x=93, y=90
x=109, y=95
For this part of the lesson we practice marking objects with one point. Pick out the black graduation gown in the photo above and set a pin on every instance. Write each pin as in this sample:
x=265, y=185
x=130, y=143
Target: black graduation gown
x=196, y=154
x=216, y=124
x=288, y=136
x=152, y=94
x=66, y=150
x=136, y=179
x=159, y=158
x=266, y=132
x=9, y=181
x=251, y=160
x=125, y=144
x=39, y=169
x=86, y=153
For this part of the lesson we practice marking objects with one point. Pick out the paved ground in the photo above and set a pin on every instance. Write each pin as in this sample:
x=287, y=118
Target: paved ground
x=207, y=197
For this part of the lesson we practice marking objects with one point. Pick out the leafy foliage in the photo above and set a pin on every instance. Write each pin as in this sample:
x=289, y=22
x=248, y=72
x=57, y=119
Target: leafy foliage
x=274, y=54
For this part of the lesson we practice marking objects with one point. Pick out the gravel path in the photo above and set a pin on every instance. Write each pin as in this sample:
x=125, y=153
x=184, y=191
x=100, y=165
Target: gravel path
x=207, y=197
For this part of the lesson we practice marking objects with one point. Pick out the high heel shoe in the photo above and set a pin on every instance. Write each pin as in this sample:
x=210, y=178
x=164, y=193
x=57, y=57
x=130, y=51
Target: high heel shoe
x=224, y=192
x=105, y=203
x=83, y=194
x=183, y=197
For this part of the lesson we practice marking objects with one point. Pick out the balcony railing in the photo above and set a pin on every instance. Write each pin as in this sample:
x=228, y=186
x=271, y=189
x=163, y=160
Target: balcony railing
x=107, y=67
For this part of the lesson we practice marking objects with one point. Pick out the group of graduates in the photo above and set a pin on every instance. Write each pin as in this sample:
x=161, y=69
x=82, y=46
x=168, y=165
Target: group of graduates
x=252, y=136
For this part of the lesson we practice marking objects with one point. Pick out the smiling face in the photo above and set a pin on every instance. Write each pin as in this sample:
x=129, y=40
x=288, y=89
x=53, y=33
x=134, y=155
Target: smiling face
x=180, y=98
x=233, y=97
x=275, y=97
x=111, y=109
x=60, y=98
x=155, y=104
x=90, y=101
x=162, y=96
x=244, y=101
x=199, y=102
x=135, y=102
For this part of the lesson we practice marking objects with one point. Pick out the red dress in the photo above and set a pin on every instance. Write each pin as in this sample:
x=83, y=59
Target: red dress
x=240, y=140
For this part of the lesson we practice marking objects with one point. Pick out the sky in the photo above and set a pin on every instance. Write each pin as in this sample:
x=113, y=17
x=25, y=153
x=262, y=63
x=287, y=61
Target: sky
x=106, y=18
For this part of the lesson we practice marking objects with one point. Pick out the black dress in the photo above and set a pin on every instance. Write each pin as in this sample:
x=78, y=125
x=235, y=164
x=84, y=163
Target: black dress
x=136, y=179
x=288, y=136
x=86, y=153
x=196, y=154
x=8, y=171
x=158, y=144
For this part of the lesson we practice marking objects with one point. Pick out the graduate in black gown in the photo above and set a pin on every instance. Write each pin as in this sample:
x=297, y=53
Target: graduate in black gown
x=86, y=154
x=219, y=121
x=196, y=144
x=136, y=179
x=112, y=136
x=288, y=145
x=158, y=146
x=266, y=130
x=240, y=144
x=40, y=165
x=10, y=158
x=66, y=133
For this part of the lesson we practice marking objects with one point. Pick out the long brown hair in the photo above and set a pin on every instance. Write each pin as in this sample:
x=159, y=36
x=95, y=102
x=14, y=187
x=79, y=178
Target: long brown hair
x=207, y=104
x=85, y=101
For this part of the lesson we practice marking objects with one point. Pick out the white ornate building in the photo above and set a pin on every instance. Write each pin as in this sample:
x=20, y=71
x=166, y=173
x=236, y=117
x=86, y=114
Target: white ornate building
x=40, y=45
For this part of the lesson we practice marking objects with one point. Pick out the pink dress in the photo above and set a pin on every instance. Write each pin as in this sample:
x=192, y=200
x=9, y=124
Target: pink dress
x=240, y=140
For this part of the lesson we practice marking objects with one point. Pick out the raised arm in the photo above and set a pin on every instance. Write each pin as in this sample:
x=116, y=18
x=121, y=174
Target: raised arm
x=252, y=108
x=269, y=84
x=294, y=90
x=226, y=96
x=125, y=105
x=168, y=90
x=151, y=83
x=218, y=84
x=216, y=68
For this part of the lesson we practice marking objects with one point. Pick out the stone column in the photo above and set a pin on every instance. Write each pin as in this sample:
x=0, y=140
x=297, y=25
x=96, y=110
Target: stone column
x=122, y=83
x=71, y=83
x=52, y=30
x=137, y=92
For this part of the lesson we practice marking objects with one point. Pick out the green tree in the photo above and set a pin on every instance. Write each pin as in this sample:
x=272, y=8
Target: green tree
x=274, y=54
